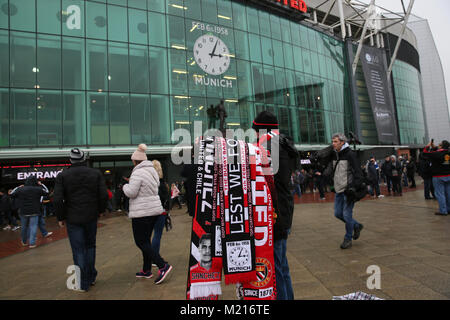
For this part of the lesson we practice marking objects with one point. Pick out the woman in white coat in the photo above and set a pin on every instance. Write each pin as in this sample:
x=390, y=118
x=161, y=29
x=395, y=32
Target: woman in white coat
x=145, y=207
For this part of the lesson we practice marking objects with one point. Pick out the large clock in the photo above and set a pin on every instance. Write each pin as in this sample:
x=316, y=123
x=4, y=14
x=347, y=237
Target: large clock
x=212, y=55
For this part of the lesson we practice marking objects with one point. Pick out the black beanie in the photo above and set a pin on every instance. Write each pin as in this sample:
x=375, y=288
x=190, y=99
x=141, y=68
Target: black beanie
x=265, y=120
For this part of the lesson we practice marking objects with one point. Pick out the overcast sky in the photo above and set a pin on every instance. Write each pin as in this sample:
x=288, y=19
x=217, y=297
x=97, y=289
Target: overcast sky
x=437, y=13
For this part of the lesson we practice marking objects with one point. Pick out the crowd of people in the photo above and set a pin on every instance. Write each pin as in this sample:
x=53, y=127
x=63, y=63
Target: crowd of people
x=80, y=195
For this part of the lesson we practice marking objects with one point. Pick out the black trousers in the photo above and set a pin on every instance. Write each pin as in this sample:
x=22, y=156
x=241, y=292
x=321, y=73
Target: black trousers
x=142, y=232
x=397, y=184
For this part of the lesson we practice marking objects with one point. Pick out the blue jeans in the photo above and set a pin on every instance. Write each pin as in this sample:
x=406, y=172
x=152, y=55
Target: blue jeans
x=82, y=240
x=41, y=225
x=442, y=193
x=344, y=212
x=297, y=190
x=283, y=277
x=158, y=229
x=29, y=229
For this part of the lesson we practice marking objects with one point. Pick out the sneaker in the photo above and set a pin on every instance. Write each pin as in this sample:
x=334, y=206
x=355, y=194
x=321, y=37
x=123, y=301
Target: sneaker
x=48, y=234
x=7, y=228
x=380, y=196
x=15, y=228
x=32, y=246
x=323, y=198
x=23, y=243
x=357, y=231
x=146, y=275
x=163, y=272
x=79, y=290
x=346, y=244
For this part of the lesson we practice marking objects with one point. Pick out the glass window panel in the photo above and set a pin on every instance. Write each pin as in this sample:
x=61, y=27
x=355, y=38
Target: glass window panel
x=49, y=61
x=96, y=20
x=264, y=23
x=97, y=65
x=140, y=119
x=295, y=33
x=301, y=90
x=209, y=11
x=194, y=33
x=288, y=56
x=23, y=117
x=117, y=23
x=258, y=82
x=181, y=114
x=281, y=92
x=197, y=112
x=158, y=70
x=140, y=4
x=244, y=80
x=23, y=59
x=312, y=39
x=4, y=58
x=98, y=119
x=242, y=49
x=278, y=55
x=225, y=15
x=156, y=5
x=73, y=18
x=160, y=110
x=73, y=63
x=285, y=30
x=239, y=16
x=275, y=26
x=139, y=68
x=4, y=16
x=252, y=20
x=119, y=114
x=269, y=84
x=315, y=63
x=255, y=48
x=74, y=118
x=178, y=72
x=307, y=61
x=4, y=117
x=267, y=51
x=49, y=124
x=22, y=15
x=230, y=89
x=304, y=42
x=49, y=16
x=291, y=88
x=298, y=61
x=193, y=9
x=176, y=32
x=137, y=27
x=118, y=75
x=157, y=29
x=176, y=7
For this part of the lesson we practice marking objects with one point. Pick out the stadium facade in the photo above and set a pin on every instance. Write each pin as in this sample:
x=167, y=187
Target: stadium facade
x=107, y=75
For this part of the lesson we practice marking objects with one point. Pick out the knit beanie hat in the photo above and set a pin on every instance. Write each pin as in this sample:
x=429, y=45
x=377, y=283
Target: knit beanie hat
x=76, y=155
x=265, y=120
x=139, y=154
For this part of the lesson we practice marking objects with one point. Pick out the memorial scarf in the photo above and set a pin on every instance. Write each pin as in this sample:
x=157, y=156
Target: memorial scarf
x=264, y=288
x=237, y=230
x=204, y=276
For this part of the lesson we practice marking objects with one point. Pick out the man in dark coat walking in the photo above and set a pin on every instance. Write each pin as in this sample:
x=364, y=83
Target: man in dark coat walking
x=80, y=196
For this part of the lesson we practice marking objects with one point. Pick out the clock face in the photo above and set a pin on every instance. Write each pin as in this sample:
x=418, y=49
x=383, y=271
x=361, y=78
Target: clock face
x=212, y=55
x=239, y=256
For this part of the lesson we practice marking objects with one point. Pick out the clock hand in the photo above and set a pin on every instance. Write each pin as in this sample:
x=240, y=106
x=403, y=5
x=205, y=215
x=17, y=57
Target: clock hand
x=212, y=54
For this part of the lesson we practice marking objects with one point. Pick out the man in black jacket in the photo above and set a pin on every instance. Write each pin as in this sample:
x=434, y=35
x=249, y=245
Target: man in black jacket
x=425, y=171
x=348, y=178
x=29, y=199
x=80, y=196
x=283, y=200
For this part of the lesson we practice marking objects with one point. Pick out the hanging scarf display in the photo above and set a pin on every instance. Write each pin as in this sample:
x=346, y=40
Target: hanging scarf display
x=233, y=223
x=238, y=247
x=204, y=269
x=264, y=288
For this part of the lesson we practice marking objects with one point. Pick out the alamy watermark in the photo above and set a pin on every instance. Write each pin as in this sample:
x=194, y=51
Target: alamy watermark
x=374, y=280
x=182, y=152
x=74, y=280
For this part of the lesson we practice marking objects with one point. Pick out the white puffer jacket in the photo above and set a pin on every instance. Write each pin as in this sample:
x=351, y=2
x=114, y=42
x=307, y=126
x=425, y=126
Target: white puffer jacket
x=143, y=191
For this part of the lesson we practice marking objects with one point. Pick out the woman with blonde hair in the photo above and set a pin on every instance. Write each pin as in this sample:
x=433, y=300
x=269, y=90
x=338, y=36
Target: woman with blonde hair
x=163, y=193
x=145, y=208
